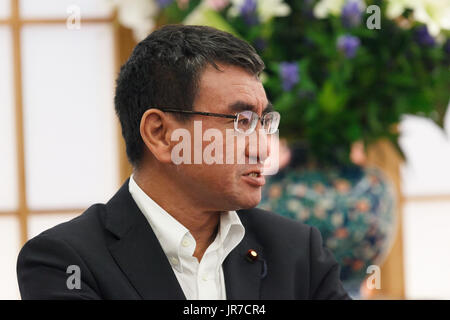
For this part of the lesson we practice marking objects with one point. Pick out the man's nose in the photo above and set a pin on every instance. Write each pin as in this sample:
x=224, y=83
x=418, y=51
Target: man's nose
x=258, y=145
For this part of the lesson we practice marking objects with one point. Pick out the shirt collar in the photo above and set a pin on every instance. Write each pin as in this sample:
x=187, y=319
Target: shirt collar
x=170, y=232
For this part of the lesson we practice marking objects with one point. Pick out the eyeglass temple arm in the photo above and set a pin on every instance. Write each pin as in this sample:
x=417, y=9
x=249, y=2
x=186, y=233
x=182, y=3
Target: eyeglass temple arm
x=210, y=114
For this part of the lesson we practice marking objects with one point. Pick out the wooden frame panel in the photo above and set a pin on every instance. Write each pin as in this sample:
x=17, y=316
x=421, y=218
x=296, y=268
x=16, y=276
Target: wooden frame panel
x=16, y=23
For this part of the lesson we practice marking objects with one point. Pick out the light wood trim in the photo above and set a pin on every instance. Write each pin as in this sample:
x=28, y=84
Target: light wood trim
x=20, y=145
x=16, y=24
x=45, y=211
x=56, y=21
x=384, y=156
x=7, y=213
x=57, y=211
x=428, y=198
x=64, y=21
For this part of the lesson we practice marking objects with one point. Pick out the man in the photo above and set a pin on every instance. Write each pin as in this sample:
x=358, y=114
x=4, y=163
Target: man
x=185, y=230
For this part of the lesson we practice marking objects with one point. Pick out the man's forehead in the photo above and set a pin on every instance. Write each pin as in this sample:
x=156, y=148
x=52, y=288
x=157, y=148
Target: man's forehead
x=232, y=88
x=240, y=105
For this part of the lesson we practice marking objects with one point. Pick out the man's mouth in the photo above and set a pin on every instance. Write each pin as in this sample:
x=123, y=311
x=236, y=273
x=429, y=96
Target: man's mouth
x=253, y=174
x=254, y=178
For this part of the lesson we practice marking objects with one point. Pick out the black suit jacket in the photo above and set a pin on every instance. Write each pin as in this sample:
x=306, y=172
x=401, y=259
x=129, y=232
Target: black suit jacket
x=120, y=257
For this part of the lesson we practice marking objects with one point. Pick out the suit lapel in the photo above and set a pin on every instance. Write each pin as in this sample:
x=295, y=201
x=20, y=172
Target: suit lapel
x=243, y=277
x=137, y=250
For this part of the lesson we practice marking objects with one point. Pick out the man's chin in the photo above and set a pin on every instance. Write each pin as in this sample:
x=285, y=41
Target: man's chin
x=239, y=199
x=250, y=203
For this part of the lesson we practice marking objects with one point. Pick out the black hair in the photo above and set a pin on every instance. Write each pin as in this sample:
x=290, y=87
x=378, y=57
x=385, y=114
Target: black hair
x=164, y=70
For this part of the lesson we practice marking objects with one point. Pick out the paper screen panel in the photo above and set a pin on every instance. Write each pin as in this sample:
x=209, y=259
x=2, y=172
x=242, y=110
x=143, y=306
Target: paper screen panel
x=8, y=159
x=426, y=243
x=5, y=9
x=9, y=250
x=54, y=9
x=427, y=149
x=70, y=125
x=38, y=223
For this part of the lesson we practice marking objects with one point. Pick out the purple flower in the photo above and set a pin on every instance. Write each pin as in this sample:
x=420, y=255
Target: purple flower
x=423, y=37
x=351, y=14
x=164, y=3
x=259, y=44
x=348, y=45
x=290, y=75
x=248, y=7
x=248, y=12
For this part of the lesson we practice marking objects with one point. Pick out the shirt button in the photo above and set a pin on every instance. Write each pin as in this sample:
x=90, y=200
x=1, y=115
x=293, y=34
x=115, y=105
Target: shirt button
x=174, y=260
x=186, y=243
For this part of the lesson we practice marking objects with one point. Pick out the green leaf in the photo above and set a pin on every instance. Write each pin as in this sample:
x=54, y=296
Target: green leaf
x=205, y=16
x=330, y=100
x=285, y=102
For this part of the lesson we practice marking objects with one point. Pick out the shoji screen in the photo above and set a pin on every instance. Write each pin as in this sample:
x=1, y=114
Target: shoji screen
x=426, y=221
x=9, y=222
x=58, y=131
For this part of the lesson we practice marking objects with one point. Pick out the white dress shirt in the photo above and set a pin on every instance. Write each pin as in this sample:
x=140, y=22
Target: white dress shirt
x=204, y=280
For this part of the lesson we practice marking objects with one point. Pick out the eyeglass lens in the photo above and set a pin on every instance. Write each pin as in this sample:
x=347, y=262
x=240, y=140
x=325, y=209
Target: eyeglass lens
x=247, y=121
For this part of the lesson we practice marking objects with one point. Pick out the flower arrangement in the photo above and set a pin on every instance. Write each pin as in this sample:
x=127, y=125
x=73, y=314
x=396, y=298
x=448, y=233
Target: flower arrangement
x=335, y=80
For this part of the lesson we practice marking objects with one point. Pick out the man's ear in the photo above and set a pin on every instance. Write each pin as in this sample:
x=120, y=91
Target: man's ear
x=155, y=132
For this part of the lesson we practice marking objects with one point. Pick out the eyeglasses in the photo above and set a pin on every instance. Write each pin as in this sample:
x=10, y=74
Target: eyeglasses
x=244, y=122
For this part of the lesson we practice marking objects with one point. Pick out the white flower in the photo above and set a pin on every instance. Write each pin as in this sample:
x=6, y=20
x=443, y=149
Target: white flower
x=266, y=9
x=326, y=7
x=395, y=8
x=434, y=13
x=236, y=6
x=334, y=7
x=138, y=15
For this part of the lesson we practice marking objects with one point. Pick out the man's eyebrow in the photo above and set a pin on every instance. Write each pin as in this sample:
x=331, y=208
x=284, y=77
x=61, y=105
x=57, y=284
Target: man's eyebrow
x=239, y=106
x=268, y=108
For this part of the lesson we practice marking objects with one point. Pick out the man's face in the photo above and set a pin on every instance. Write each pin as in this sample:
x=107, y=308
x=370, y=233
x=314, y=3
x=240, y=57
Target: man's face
x=226, y=186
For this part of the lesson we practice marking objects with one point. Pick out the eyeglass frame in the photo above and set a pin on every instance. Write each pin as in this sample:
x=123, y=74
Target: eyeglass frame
x=221, y=115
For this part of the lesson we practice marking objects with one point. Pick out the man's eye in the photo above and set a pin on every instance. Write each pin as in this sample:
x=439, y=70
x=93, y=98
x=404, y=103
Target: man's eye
x=244, y=121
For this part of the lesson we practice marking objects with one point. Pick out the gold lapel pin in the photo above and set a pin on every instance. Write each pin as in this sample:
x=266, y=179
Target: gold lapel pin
x=252, y=255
